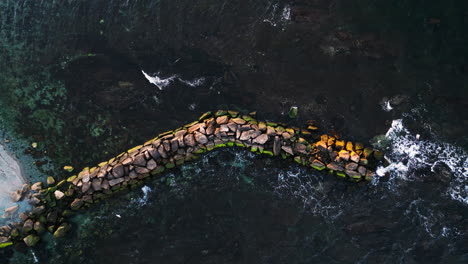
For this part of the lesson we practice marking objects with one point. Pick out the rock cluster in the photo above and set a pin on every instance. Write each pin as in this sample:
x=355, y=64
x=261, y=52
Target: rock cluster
x=173, y=148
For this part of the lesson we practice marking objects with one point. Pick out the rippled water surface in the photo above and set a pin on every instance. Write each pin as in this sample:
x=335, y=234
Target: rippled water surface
x=86, y=80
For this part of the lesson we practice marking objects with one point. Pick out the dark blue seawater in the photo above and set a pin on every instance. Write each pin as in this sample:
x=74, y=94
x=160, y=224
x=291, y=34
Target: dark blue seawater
x=86, y=80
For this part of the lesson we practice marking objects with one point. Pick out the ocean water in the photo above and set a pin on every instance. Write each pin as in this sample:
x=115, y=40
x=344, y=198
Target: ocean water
x=232, y=206
x=86, y=80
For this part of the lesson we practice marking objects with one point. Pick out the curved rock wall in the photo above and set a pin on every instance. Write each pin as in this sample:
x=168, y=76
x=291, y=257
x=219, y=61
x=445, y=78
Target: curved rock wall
x=222, y=129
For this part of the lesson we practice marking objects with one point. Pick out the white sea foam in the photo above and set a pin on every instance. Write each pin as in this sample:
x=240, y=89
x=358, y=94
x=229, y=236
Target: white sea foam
x=159, y=82
x=387, y=107
x=409, y=153
x=36, y=260
x=311, y=191
x=195, y=82
x=276, y=16
x=286, y=15
x=165, y=82
x=146, y=191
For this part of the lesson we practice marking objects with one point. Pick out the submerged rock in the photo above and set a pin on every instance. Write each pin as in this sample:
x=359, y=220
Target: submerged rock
x=76, y=204
x=50, y=180
x=31, y=240
x=36, y=186
x=28, y=225
x=61, y=230
x=292, y=112
x=10, y=211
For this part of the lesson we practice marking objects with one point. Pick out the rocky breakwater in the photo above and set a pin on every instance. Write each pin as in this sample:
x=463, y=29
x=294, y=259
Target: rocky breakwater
x=54, y=204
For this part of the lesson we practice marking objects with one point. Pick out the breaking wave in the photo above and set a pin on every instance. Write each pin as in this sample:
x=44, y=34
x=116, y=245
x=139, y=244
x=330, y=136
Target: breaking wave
x=161, y=82
x=408, y=154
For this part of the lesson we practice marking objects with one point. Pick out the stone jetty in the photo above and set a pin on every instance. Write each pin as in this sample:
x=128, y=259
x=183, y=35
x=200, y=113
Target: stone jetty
x=52, y=205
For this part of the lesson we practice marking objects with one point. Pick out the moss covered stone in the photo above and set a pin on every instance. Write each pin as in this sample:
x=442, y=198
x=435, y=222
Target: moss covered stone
x=287, y=140
x=6, y=244
x=378, y=155
x=248, y=118
x=341, y=174
x=170, y=165
x=31, y=240
x=293, y=112
x=61, y=230
x=205, y=116
x=233, y=113
x=50, y=180
x=221, y=113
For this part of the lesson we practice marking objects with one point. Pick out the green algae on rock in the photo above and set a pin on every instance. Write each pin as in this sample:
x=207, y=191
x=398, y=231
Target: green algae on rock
x=173, y=148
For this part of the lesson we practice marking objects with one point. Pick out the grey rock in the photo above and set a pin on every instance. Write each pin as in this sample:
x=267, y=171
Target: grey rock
x=180, y=133
x=10, y=211
x=189, y=140
x=118, y=171
x=232, y=127
x=210, y=130
x=154, y=153
x=362, y=170
x=36, y=186
x=141, y=170
x=38, y=210
x=352, y=173
x=116, y=181
x=140, y=160
x=28, y=225
x=133, y=175
x=105, y=184
x=287, y=149
x=286, y=135
x=88, y=198
x=200, y=138
x=224, y=128
x=276, y=146
x=174, y=144
x=301, y=148
x=34, y=201
x=335, y=166
x=58, y=194
x=85, y=175
x=317, y=164
x=271, y=131
x=151, y=165
x=246, y=135
x=245, y=128
x=127, y=161
x=261, y=139
x=162, y=152
x=96, y=183
x=167, y=145
x=52, y=217
x=76, y=204
x=351, y=166
x=222, y=120
x=86, y=186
